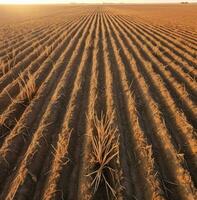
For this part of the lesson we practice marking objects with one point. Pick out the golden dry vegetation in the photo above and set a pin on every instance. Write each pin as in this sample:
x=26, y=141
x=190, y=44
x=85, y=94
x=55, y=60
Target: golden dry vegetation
x=98, y=102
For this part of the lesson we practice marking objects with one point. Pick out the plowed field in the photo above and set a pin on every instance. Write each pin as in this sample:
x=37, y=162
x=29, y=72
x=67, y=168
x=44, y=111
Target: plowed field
x=97, y=102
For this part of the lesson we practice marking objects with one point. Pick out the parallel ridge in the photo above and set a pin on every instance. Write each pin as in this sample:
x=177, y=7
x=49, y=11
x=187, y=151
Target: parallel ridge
x=99, y=63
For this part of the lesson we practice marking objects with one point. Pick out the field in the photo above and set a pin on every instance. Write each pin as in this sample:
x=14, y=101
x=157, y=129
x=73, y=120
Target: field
x=98, y=102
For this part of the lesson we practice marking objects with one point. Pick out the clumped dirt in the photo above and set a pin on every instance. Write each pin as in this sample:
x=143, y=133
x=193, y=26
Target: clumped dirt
x=98, y=102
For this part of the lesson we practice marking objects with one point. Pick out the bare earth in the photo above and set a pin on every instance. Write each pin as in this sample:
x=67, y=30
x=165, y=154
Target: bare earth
x=98, y=102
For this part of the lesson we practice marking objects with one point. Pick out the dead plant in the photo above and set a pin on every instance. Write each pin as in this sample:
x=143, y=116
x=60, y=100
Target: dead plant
x=105, y=151
x=27, y=87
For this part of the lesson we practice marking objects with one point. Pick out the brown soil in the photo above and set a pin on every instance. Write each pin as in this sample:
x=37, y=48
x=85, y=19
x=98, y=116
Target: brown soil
x=135, y=64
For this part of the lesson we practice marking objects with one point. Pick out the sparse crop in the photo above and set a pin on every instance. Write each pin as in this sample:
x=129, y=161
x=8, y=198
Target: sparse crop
x=98, y=102
x=105, y=149
x=27, y=87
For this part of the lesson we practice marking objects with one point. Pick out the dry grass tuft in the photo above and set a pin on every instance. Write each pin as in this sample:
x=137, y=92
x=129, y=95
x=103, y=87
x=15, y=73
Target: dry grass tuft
x=60, y=160
x=105, y=151
x=61, y=151
x=48, y=50
x=27, y=87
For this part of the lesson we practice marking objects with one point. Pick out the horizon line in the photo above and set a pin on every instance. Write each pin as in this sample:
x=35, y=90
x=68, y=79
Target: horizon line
x=97, y=3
